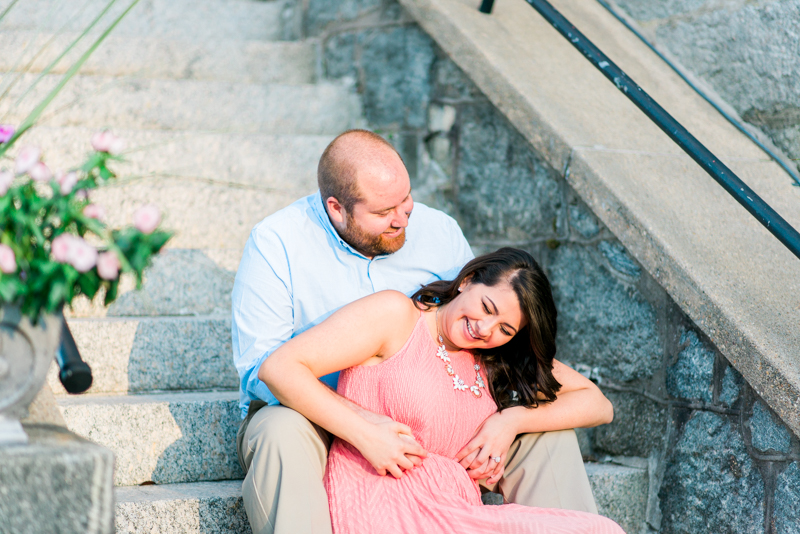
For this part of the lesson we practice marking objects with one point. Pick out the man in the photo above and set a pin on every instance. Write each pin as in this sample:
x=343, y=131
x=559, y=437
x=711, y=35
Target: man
x=354, y=237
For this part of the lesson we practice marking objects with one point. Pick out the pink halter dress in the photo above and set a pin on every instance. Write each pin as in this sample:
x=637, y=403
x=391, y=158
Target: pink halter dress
x=413, y=387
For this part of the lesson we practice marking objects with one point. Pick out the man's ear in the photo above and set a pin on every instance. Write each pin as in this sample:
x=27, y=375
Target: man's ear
x=335, y=211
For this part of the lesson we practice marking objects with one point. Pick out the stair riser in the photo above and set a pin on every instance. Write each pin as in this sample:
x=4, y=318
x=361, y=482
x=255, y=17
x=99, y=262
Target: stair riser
x=233, y=61
x=164, y=441
x=99, y=102
x=197, y=21
x=134, y=356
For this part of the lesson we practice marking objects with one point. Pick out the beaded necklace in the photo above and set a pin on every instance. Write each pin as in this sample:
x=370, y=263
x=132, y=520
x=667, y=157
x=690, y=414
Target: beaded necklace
x=458, y=383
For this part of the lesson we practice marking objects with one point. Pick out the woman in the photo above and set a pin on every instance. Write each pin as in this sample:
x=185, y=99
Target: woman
x=437, y=365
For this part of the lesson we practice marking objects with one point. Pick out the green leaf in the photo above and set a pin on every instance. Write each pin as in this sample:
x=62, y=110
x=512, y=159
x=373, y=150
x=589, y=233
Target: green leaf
x=89, y=283
x=8, y=290
x=158, y=239
x=58, y=294
x=111, y=292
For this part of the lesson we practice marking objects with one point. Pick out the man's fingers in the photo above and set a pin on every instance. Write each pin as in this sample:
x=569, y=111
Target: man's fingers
x=467, y=461
x=480, y=459
x=468, y=449
x=396, y=472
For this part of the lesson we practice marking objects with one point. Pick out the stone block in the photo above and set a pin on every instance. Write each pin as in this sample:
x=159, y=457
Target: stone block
x=318, y=109
x=732, y=382
x=603, y=321
x=450, y=83
x=767, y=432
x=340, y=56
x=645, y=10
x=710, y=483
x=582, y=220
x=396, y=65
x=787, y=501
x=320, y=14
x=639, y=427
x=192, y=508
x=504, y=191
x=620, y=493
x=163, y=438
x=692, y=376
x=57, y=482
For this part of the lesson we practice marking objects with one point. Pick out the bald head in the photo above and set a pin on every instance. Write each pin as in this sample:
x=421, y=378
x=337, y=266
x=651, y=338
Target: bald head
x=357, y=160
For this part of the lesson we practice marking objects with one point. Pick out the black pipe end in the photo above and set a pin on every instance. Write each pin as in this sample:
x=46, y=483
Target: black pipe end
x=76, y=377
x=486, y=6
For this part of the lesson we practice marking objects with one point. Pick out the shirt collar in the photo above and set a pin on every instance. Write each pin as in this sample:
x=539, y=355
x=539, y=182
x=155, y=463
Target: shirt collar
x=322, y=214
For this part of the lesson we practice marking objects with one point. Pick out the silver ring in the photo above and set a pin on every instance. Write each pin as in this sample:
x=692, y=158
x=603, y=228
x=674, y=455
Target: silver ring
x=495, y=458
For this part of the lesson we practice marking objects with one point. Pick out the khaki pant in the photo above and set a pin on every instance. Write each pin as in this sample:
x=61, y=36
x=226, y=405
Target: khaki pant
x=284, y=456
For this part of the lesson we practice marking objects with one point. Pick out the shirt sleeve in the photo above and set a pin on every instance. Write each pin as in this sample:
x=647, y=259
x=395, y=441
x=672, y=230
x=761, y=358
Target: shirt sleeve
x=262, y=310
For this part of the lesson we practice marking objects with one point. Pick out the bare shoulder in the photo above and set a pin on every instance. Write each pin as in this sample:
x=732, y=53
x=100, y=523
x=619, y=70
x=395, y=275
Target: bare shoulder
x=390, y=316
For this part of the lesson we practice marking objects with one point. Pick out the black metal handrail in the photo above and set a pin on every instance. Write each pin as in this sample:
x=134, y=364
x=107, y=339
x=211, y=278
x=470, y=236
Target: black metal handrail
x=743, y=194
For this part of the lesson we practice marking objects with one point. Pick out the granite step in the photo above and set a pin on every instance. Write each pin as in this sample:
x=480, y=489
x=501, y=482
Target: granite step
x=217, y=508
x=230, y=60
x=162, y=438
x=190, y=508
x=139, y=355
x=217, y=106
x=193, y=20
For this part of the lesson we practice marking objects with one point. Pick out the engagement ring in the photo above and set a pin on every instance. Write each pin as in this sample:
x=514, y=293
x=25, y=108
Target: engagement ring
x=496, y=459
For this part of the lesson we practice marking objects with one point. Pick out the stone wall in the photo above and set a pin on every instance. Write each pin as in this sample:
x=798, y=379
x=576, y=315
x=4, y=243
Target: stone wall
x=748, y=51
x=720, y=461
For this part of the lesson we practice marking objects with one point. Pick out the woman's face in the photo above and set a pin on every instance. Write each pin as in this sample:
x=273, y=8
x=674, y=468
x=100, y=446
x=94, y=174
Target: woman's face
x=481, y=317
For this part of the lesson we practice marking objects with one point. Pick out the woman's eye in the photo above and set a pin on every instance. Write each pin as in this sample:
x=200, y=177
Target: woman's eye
x=506, y=332
x=486, y=308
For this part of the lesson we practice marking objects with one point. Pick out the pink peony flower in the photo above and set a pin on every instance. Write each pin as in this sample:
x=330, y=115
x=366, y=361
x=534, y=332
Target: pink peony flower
x=27, y=158
x=40, y=172
x=147, y=218
x=81, y=194
x=83, y=256
x=61, y=247
x=8, y=261
x=66, y=181
x=6, y=178
x=108, y=266
x=94, y=211
x=106, y=141
x=6, y=132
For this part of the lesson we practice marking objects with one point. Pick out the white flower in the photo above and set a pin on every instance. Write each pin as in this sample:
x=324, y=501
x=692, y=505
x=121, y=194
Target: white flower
x=95, y=211
x=106, y=141
x=108, y=266
x=66, y=181
x=40, y=172
x=27, y=158
x=6, y=178
x=83, y=255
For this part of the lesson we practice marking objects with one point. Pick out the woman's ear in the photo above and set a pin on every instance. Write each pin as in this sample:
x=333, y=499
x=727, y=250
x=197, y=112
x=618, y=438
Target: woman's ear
x=464, y=283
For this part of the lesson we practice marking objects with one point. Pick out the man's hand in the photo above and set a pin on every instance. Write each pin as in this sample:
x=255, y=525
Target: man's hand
x=493, y=438
x=391, y=448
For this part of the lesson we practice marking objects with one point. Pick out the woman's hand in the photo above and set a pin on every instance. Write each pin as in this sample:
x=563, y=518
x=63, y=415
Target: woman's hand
x=493, y=438
x=391, y=448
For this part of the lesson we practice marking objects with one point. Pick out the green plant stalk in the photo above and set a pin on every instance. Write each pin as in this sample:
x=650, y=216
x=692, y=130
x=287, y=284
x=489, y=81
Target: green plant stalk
x=6, y=10
x=31, y=118
x=66, y=51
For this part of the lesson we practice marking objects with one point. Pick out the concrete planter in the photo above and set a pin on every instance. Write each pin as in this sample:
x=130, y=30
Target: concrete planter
x=26, y=352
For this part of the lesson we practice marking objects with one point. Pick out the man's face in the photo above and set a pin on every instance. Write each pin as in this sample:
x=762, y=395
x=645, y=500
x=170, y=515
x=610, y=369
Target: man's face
x=377, y=224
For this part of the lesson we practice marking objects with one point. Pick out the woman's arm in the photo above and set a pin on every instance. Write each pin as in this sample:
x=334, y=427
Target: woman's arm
x=363, y=332
x=579, y=404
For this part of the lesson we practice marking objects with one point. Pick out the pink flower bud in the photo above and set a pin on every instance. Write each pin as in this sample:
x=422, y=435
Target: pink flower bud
x=147, y=218
x=83, y=256
x=40, y=172
x=27, y=158
x=94, y=211
x=8, y=261
x=6, y=179
x=81, y=194
x=66, y=181
x=61, y=247
x=106, y=141
x=108, y=266
x=6, y=132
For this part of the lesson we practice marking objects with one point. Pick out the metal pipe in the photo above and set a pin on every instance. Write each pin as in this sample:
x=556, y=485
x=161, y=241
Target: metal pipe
x=486, y=6
x=75, y=375
x=743, y=194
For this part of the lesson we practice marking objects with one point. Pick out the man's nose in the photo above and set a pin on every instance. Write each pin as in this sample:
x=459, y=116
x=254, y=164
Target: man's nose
x=400, y=219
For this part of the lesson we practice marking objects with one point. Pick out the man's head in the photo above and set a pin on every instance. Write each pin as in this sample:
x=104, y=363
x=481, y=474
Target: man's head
x=366, y=191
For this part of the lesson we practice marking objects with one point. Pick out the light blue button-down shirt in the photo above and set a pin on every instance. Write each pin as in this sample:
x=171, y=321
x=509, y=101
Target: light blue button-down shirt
x=296, y=271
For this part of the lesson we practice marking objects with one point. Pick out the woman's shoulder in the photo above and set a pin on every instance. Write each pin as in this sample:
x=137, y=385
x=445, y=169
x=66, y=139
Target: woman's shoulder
x=390, y=302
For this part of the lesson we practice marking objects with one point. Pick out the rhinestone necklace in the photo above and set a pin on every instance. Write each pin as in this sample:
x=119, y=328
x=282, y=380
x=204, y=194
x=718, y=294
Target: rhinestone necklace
x=458, y=383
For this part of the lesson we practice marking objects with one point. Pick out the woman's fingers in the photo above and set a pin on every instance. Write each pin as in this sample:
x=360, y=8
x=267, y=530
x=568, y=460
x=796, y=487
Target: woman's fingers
x=470, y=449
x=497, y=476
x=467, y=460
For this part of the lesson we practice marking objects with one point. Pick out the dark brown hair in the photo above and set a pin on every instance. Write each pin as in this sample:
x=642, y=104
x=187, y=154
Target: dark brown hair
x=521, y=371
x=336, y=173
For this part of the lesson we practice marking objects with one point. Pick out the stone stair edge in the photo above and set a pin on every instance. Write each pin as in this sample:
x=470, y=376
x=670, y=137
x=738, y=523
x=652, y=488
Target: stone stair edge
x=157, y=397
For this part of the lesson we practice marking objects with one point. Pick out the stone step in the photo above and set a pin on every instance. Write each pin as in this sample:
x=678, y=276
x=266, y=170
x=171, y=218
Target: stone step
x=139, y=103
x=193, y=20
x=136, y=355
x=164, y=438
x=216, y=507
x=144, y=57
x=191, y=508
x=180, y=282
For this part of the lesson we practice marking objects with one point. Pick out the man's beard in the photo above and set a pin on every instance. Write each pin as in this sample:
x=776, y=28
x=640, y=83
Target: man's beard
x=370, y=245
